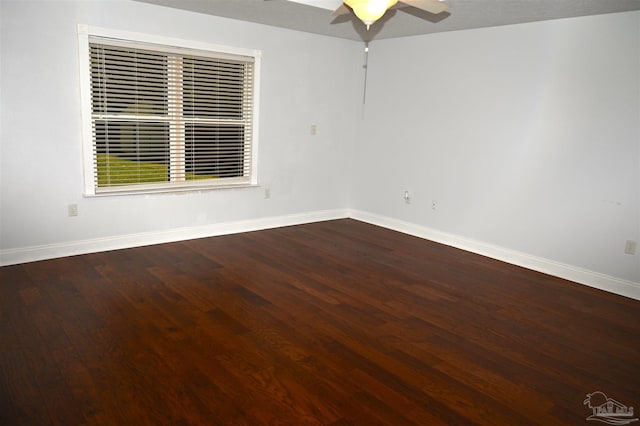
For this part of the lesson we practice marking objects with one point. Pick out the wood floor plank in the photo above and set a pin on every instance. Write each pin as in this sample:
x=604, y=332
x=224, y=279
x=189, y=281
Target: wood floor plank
x=329, y=323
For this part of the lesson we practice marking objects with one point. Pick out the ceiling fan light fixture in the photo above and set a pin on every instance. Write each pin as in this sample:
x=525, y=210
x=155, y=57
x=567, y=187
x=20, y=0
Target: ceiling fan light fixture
x=369, y=11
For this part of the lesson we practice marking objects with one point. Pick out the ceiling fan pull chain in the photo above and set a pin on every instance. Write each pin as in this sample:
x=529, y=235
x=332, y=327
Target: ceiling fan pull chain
x=366, y=69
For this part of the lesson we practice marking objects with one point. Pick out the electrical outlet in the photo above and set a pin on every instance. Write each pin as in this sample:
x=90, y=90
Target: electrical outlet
x=314, y=129
x=630, y=247
x=267, y=193
x=72, y=210
x=434, y=204
x=407, y=197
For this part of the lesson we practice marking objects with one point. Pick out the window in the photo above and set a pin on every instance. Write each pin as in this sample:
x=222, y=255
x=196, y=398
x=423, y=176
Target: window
x=166, y=116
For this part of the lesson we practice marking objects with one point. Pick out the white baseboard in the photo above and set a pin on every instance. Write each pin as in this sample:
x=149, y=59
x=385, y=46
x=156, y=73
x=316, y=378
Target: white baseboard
x=582, y=276
x=72, y=248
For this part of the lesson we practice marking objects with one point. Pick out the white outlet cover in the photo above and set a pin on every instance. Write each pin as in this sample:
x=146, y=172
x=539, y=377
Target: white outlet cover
x=630, y=247
x=72, y=210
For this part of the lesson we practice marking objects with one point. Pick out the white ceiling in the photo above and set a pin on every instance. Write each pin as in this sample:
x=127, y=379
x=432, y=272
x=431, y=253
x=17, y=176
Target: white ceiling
x=463, y=14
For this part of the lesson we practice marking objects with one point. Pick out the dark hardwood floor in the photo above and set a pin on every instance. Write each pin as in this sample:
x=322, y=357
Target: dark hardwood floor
x=332, y=323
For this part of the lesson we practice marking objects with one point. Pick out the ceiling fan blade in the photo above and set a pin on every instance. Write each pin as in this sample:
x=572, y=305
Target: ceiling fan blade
x=431, y=6
x=322, y=4
x=342, y=10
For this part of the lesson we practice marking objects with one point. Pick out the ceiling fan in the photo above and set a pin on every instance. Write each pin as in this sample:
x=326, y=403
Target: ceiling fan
x=369, y=11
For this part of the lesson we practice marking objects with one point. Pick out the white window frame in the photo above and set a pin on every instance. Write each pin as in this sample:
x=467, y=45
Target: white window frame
x=85, y=35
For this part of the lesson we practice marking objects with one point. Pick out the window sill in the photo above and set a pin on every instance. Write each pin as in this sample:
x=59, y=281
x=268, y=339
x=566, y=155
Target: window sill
x=164, y=190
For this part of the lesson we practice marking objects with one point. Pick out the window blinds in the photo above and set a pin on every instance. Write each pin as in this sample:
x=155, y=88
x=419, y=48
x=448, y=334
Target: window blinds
x=169, y=118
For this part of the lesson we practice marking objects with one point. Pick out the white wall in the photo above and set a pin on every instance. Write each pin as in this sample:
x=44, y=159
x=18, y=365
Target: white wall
x=305, y=80
x=527, y=136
